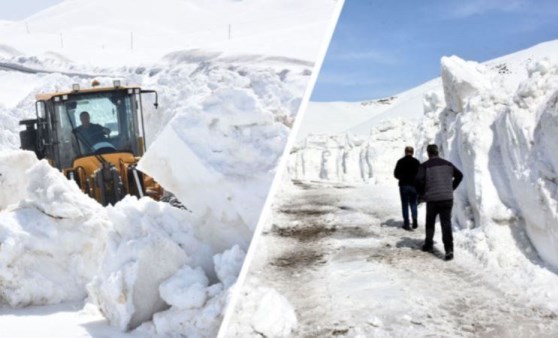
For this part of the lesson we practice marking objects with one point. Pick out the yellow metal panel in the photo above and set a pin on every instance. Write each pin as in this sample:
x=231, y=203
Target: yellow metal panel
x=49, y=96
x=91, y=163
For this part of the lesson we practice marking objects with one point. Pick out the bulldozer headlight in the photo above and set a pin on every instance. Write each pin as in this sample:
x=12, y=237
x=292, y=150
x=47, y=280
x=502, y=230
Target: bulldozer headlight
x=116, y=83
x=64, y=97
x=137, y=90
x=57, y=99
x=75, y=87
x=130, y=90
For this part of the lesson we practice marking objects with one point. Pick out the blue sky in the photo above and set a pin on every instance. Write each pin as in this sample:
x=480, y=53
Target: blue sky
x=382, y=47
x=21, y=9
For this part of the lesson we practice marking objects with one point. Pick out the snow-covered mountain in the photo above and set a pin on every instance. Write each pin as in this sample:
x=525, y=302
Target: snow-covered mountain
x=497, y=122
x=129, y=32
x=360, y=117
x=226, y=107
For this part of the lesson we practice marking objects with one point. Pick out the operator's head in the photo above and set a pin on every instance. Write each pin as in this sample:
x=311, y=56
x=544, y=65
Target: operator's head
x=84, y=118
x=409, y=150
x=432, y=150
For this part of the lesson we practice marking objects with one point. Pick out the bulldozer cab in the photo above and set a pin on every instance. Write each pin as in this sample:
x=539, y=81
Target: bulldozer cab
x=91, y=134
x=115, y=123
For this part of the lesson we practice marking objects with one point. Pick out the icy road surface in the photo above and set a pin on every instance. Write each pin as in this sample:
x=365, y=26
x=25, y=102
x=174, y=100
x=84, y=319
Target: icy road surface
x=340, y=257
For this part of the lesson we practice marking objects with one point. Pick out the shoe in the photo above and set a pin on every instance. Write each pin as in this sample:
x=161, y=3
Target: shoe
x=406, y=227
x=415, y=223
x=449, y=256
x=427, y=248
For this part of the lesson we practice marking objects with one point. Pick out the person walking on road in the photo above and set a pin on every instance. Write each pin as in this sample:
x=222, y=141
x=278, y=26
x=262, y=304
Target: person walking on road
x=405, y=171
x=435, y=181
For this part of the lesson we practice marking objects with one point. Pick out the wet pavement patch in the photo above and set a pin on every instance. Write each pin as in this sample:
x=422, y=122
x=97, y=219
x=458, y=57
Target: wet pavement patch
x=304, y=212
x=297, y=259
x=304, y=234
x=353, y=232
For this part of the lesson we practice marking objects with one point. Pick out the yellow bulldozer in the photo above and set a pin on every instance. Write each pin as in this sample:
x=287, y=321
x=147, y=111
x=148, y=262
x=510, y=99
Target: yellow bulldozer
x=96, y=137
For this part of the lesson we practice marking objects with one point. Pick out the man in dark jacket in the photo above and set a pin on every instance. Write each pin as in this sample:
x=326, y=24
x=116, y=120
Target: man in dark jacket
x=90, y=133
x=406, y=171
x=436, y=180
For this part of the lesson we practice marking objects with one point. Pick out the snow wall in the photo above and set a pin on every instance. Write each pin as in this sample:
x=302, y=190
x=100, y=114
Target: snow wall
x=504, y=141
x=352, y=159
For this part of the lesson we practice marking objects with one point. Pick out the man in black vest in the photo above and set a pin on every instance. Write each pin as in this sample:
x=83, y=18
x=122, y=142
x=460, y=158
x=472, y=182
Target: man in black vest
x=406, y=171
x=436, y=180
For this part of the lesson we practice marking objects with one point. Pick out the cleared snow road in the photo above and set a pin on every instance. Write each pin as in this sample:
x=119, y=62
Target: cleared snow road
x=22, y=69
x=338, y=254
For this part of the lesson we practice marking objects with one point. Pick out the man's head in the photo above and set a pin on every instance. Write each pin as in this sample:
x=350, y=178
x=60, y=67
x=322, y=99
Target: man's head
x=84, y=118
x=432, y=150
x=409, y=150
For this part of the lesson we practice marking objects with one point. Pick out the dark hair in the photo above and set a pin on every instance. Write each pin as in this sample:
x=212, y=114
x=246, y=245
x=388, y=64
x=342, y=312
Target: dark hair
x=409, y=150
x=83, y=113
x=432, y=150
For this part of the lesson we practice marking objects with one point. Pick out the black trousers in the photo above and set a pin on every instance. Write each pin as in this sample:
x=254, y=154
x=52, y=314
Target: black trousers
x=433, y=209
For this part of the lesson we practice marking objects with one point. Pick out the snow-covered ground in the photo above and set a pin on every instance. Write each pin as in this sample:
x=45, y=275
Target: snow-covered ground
x=335, y=256
x=227, y=104
x=497, y=122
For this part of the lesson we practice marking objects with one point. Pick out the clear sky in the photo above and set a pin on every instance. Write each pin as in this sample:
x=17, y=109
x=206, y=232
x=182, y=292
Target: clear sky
x=383, y=47
x=20, y=9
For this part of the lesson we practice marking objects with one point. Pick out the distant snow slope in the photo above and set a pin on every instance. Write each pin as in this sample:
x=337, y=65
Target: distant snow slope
x=336, y=117
x=226, y=108
x=126, y=32
x=497, y=122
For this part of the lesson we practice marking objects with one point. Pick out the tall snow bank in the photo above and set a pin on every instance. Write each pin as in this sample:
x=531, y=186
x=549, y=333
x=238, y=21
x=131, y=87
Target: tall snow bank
x=504, y=141
x=528, y=134
x=51, y=241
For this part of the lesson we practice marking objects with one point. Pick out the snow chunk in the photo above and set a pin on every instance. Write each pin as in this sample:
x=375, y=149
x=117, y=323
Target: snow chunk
x=462, y=80
x=262, y=311
x=274, y=316
x=185, y=289
x=197, y=308
x=55, y=195
x=228, y=265
x=13, y=176
x=126, y=289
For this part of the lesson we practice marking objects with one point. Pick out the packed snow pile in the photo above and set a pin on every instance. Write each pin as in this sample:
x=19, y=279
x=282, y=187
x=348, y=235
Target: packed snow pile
x=52, y=239
x=229, y=90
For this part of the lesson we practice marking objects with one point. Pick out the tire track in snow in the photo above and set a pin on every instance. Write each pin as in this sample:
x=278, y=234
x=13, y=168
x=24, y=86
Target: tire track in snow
x=348, y=271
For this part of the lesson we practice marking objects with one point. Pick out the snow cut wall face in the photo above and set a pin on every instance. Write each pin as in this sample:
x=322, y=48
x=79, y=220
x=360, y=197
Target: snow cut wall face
x=352, y=159
x=504, y=141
